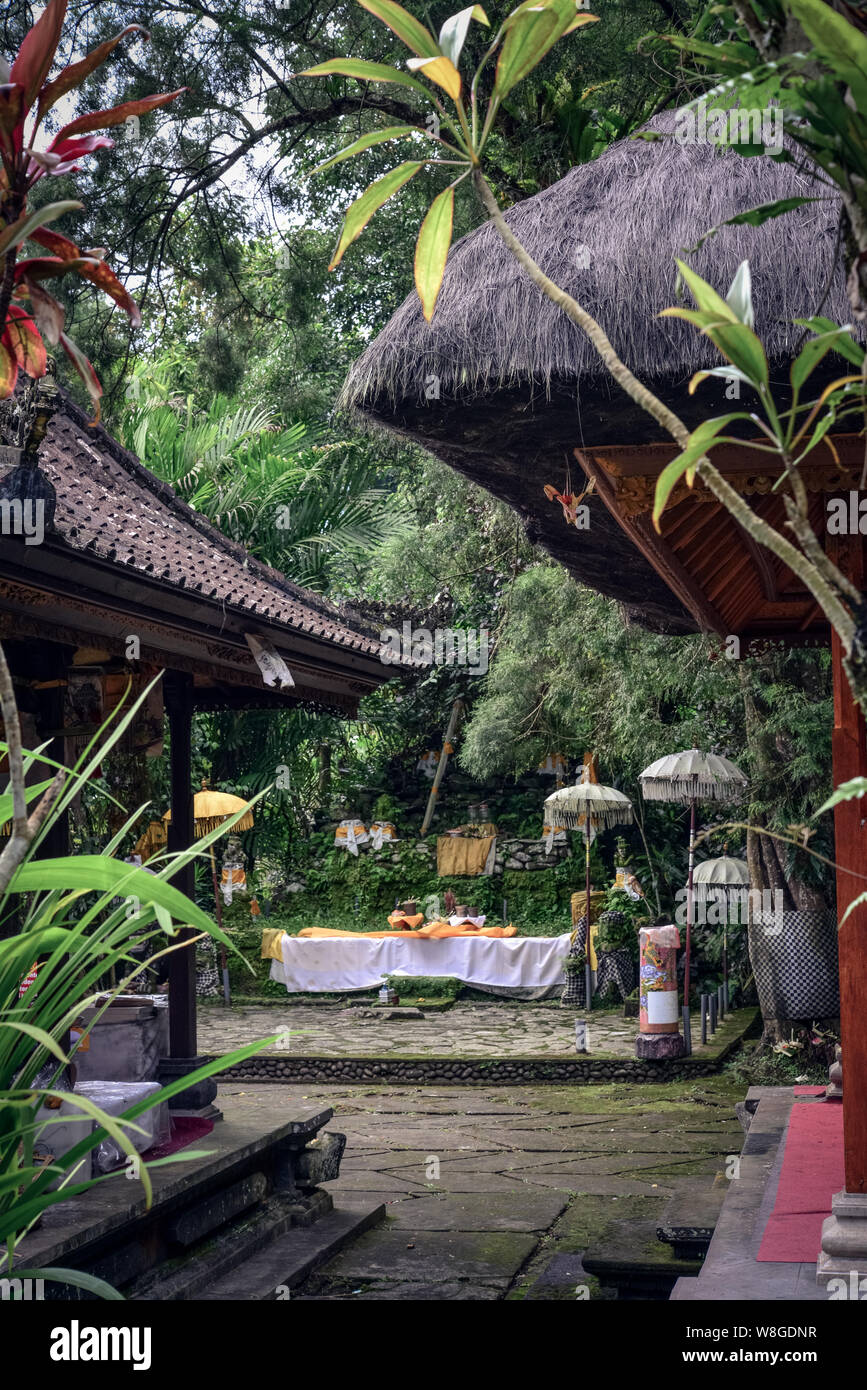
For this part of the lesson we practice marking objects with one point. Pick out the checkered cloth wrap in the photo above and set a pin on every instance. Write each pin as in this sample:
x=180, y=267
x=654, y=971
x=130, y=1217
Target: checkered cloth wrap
x=615, y=968
x=794, y=960
x=207, y=974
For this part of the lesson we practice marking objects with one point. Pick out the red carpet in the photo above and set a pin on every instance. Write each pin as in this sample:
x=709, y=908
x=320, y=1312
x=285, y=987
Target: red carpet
x=812, y=1172
x=185, y=1130
x=809, y=1090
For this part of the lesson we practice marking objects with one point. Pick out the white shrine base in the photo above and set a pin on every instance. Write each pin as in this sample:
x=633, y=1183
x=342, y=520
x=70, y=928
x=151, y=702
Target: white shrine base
x=528, y=967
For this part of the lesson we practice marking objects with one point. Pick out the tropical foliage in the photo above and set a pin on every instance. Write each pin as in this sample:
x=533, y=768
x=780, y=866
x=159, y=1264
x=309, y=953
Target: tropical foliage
x=73, y=922
x=27, y=97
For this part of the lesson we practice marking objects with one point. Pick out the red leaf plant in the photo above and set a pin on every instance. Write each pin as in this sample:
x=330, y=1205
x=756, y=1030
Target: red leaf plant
x=30, y=316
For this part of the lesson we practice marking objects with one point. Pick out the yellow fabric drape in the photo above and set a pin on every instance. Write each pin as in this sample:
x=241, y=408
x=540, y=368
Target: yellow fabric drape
x=457, y=855
x=271, y=944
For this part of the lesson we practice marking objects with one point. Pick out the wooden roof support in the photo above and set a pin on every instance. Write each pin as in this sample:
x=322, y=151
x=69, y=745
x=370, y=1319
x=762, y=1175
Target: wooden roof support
x=658, y=554
x=849, y=755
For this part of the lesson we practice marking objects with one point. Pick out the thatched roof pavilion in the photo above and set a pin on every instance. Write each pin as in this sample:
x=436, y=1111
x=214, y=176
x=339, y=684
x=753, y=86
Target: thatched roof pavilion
x=503, y=387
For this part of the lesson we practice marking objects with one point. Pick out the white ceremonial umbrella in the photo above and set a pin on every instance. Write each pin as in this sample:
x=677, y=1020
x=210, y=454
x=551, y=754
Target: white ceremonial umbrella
x=722, y=880
x=689, y=777
x=587, y=806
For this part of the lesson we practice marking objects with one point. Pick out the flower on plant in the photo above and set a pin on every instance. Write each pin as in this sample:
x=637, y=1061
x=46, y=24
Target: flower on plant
x=30, y=316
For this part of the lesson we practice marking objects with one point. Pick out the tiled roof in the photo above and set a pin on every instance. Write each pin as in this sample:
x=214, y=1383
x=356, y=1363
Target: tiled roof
x=110, y=505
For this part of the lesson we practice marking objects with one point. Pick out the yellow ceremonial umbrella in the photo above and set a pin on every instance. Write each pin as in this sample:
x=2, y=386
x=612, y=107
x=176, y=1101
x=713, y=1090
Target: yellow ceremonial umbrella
x=210, y=810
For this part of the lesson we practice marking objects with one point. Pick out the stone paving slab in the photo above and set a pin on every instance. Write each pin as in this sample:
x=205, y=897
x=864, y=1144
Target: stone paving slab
x=496, y=1211
x=436, y=1256
x=411, y=1293
x=526, y=1175
x=499, y=1030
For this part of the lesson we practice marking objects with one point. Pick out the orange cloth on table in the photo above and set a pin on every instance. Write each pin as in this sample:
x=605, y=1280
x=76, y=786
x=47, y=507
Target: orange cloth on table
x=400, y=922
x=432, y=932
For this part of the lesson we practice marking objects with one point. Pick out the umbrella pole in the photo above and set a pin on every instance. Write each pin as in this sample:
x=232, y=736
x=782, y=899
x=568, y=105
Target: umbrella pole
x=588, y=973
x=687, y=1035
x=223, y=961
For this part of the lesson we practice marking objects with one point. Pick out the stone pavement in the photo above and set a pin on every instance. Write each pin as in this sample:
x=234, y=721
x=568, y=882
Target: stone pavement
x=499, y=1029
x=495, y=1192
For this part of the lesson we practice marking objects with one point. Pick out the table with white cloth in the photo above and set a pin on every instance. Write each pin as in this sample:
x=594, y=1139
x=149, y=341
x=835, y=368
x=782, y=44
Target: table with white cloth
x=528, y=967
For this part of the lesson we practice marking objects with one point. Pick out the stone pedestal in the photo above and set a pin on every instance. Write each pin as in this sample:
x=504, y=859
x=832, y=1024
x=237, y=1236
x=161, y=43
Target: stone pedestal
x=197, y=1100
x=844, y=1240
x=834, y=1091
x=655, y=1047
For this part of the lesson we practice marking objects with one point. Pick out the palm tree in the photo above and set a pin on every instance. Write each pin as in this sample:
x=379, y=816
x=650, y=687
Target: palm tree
x=316, y=509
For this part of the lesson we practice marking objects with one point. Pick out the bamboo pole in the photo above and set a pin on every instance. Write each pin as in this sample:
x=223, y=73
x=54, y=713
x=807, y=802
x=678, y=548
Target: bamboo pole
x=454, y=717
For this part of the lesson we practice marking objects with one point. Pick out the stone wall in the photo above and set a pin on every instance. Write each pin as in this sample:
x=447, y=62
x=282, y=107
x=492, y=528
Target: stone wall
x=577, y=1071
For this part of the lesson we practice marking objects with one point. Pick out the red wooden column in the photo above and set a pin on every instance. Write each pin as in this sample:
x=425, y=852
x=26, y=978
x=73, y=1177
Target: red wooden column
x=849, y=751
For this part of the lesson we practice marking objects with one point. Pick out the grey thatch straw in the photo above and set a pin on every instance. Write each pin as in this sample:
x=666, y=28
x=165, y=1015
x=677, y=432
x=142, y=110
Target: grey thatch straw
x=692, y=775
x=629, y=213
x=502, y=386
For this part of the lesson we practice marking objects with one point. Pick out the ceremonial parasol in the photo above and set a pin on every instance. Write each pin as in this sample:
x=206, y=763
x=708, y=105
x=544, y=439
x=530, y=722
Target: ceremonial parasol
x=689, y=777
x=587, y=806
x=722, y=880
x=210, y=810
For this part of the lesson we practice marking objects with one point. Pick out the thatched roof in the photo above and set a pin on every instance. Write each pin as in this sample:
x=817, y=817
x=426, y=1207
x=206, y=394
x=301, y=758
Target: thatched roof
x=520, y=386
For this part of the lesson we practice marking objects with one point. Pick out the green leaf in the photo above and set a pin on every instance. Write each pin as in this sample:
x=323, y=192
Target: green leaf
x=20, y=230
x=741, y=346
x=707, y=299
x=845, y=345
x=31, y=793
x=740, y=295
x=440, y=70
x=739, y=54
x=811, y=355
x=432, y=248
x=371, y=200
x=842, y=45
x=96, y=873
x=699, y=441
x=453, y=34
x=405, y=25
x=765, y=212
x=757, y=216
x=365, y=72
x=373, y=137
x=847, y=791
x=532, y=31
x=727, y=373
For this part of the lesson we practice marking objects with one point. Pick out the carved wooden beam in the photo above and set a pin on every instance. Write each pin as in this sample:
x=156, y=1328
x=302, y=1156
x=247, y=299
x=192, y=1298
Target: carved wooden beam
x=660, y=556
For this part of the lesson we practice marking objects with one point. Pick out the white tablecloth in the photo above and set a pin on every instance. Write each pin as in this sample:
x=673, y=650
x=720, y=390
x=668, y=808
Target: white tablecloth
x=516, y=963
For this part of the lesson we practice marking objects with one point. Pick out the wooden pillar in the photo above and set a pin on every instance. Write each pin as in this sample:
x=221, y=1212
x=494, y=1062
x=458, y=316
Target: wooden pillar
x=178, y=689
x=48, y=721
x=849, y=752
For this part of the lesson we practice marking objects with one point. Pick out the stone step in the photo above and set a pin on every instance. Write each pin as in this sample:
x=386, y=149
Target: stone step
x=288, y=1260
x=184, y=1276
x=636, y=1264
x=690, y=1218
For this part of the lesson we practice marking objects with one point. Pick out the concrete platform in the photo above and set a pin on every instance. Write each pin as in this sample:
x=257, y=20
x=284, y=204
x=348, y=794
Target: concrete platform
x=241, y=1189
x=731, y=1271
